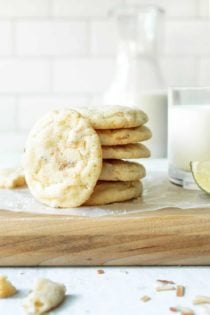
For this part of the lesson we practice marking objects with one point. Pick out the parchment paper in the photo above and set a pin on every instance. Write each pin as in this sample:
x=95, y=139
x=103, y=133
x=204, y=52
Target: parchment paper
x=158, y=193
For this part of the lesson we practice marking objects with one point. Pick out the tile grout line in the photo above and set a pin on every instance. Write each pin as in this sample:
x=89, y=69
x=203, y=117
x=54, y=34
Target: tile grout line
x=13, y=37
x=98, y=18
x=16, y=113
x=50, y=9
x=197, y=70
x=51, y=75
x=88, y=39
x=197, y=8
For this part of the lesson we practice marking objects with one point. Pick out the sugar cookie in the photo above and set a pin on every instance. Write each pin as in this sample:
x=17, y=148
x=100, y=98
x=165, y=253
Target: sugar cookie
x=109, y=192
x=127, y=151
x=114, y=117
x=124, y=136
x=118, y=170
x=63, y=159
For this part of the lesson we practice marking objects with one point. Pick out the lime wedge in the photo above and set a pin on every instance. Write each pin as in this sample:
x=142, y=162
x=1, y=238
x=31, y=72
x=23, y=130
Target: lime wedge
x=201, y=174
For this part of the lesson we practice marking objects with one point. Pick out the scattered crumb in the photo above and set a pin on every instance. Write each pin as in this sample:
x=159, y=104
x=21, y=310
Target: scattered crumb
x=182, y=310
x=180, y=290
x=46, y=295
x=145, y=298
x=187, y=312
x=100, y=271
x=166, y=281
x=6, y=287
x=166, y=287
x=200, y=299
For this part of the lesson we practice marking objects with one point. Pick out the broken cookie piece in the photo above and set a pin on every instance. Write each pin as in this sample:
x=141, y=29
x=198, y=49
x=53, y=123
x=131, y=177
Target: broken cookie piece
x=180, y=290
x=6, y=288
x=45, y=296
x=145, y=298
x=12, y=178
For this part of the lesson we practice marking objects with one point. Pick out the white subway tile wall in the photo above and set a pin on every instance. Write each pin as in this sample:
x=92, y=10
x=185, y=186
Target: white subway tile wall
x=103, y=38
x=7, y=113
x=6, y=40
x=174, y=8
x=82, y=75
x=204, y=71
x=40, y=105
x=60, y=53
x=24, y=75
x=83, y=8
x=204, y=8
x=51, y=38
x=24, y=8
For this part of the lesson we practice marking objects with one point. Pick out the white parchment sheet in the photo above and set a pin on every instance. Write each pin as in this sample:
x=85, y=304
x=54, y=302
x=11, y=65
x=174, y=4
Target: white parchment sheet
x=158, y=193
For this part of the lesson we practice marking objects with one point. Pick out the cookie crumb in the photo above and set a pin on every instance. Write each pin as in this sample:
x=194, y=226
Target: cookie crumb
x=182, y=310
x=166, y=281
x=145, y=298
x=180, y=290
x=200, y=299
x=166, y=287
x=46, y=295
x=6, y=288
x=100, y=271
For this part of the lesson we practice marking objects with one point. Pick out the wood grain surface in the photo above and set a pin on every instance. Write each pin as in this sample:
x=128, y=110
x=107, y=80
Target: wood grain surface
x=163, y=237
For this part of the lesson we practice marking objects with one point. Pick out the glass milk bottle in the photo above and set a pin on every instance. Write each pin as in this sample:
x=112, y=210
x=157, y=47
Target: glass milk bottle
x=138, y=79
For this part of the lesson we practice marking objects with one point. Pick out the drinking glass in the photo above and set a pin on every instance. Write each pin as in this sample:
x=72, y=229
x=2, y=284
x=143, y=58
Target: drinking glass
x=188, y=132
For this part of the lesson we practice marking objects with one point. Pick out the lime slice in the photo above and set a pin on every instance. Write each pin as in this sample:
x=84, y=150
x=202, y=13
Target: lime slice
x=201, y=174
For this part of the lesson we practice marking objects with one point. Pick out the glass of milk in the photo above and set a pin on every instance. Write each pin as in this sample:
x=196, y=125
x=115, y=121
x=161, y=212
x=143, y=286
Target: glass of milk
x=188, y=132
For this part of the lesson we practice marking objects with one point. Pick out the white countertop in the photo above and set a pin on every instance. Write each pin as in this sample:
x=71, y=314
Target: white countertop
x=117, y=291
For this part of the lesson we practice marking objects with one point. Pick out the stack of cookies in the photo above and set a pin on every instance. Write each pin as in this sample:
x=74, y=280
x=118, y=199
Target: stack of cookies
x=75, y=158
x=120, y=130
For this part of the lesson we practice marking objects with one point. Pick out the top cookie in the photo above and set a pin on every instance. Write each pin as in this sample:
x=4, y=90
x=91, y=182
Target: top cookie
x=63, y=159
x=114, y=117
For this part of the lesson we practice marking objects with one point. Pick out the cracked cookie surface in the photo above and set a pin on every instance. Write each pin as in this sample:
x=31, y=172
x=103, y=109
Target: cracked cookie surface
x=114, y=117
x=63, y=159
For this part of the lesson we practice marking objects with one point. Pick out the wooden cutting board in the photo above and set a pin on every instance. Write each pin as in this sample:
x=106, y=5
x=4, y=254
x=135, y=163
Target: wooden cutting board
x=163, y=237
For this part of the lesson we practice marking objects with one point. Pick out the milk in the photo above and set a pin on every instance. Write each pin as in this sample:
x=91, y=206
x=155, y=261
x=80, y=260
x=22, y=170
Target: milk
x=189, y=135
x=155, y=105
